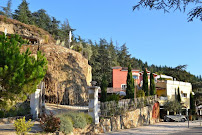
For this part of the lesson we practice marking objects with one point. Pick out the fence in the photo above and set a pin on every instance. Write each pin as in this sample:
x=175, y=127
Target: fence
x=113, y=108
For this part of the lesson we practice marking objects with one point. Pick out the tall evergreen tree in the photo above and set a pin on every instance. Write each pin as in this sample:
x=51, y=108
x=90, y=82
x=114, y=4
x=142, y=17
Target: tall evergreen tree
x=7, y=10
x=192, y=105
x=130, y=84
x=113, y=53
x=145, y=83
x=123, y=56
x=103, y=86
x=152, y=85
x=54, y=28
x=42, y=19
x=23, y=14
x=64, y=32
x=178, y=95
x=175, y=95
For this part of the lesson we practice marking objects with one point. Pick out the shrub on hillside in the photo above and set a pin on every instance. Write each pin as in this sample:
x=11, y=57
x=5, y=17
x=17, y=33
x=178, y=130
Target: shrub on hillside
x=50, y=123
x=113, y=97
x=66, y=125
x=2, y=114
x=20, y=109
x=22, y=127
x=78, y=120
x=140, y=93
x=88, y=118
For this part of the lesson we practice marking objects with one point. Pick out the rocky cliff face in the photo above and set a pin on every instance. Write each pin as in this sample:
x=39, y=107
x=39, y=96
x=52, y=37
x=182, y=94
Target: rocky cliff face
x=30, y=32
x=68, y=74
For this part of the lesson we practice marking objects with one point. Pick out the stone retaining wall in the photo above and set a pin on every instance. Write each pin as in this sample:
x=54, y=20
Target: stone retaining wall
x=138, y=117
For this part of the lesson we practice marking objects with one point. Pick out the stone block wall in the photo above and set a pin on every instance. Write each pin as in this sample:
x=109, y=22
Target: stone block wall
x=138, y=117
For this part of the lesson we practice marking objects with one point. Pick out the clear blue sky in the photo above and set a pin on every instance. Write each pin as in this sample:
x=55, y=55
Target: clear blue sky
x=152, y=36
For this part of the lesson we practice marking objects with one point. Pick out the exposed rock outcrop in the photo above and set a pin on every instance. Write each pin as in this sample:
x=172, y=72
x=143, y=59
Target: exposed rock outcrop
x=68, y=74
x=30, y=32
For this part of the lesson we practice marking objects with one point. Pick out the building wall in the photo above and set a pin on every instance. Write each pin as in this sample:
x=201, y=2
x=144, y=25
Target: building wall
x=120, y=77
x=172, y=86
x=185, y=88
x=161, y=92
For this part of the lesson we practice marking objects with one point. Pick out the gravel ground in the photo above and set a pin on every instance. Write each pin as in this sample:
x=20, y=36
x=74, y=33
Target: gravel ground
x=8, y=129
x=162, y=128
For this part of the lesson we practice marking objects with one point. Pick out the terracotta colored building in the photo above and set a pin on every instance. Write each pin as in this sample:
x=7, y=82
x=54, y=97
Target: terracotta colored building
x=120, y=77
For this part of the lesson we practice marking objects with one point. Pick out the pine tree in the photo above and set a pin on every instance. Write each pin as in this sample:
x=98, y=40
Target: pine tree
x=178, y=95
x=123, y=56
x=20, y=73
x=145, y=83
x=42, y=19
x=23, y=14
x=64, y=32
x=104, y=85
x=152, y=85
x=130, y=84
x=54, y=28
x=7, y=10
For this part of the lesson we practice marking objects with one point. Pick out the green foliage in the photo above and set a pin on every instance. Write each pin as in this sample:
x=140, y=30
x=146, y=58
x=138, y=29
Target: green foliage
x=178, y=72
x=130, y=84
x=7, y=10
x=113, y=97
x=88, y=118
x=123, y=56
x=102, y=60
x=78, y=120
x=41, y=19
x=50, y=123
x=66, y=125
x=74, y=119
x=178, y=95
x=22, y=127
x=20, y=109
x=152, y=85
x=167, y=5
x=77, y=48
x=145, y=83
x=192, y=105
x=2, y=114
x=23, y=14
x=173, y=106
x=104, y=85
x=20, y=73
x=140, y=93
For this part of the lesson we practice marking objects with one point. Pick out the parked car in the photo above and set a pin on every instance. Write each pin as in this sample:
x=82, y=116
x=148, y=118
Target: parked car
x=177, y=117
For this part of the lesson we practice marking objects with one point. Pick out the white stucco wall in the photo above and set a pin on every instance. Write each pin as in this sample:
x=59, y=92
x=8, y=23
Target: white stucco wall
x=184, y=87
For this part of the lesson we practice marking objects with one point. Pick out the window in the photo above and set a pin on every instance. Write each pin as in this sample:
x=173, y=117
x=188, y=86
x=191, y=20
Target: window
x=184, y=95
x=135, y=77
x=123, y=86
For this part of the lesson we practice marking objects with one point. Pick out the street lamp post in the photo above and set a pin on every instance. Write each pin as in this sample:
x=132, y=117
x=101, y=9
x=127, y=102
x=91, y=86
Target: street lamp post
x=187, y=111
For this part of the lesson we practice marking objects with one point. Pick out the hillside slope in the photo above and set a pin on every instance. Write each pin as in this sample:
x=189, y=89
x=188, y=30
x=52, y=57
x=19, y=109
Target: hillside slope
x=31, y=32
x=68, y=74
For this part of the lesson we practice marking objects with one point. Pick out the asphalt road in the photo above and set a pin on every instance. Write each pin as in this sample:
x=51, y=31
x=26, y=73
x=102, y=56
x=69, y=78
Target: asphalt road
x=163, y=128
x=191, y=131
